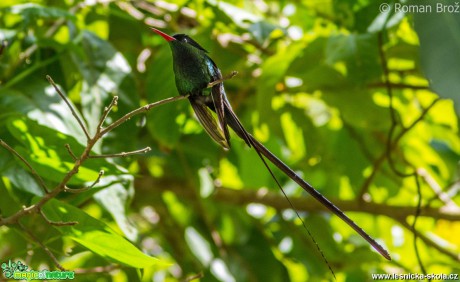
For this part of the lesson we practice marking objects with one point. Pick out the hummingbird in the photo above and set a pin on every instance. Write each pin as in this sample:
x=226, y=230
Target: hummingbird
x=199, y=78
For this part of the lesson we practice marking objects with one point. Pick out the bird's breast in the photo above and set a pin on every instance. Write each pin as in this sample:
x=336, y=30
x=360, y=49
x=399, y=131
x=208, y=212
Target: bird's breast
x=192, y=74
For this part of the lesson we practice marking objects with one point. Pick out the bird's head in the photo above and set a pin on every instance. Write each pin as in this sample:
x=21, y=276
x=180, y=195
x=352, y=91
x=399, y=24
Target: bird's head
x=179, y=40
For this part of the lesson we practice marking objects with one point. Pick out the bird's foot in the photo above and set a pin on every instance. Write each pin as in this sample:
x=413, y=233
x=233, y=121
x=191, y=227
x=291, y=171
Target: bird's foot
x=229, y=76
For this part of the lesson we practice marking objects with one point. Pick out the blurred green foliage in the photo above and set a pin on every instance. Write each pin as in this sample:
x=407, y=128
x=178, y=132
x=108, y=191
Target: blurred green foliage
x=311, y=87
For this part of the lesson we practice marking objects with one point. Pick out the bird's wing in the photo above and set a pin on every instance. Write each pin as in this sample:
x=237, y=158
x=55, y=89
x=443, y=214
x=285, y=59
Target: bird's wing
x=218, y=98
x=208, y=121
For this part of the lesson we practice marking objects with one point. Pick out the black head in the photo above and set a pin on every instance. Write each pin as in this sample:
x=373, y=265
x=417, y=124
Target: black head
x=182, y=38
x=186, y=39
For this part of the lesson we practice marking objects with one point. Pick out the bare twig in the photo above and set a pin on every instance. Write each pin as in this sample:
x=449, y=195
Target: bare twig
x=143, y=109
x=32, y=170
x=392, y=143
x=429, y=242
x=414, y=223
x=394, y=121
x=74, y=113
x=45, y=248
x=56, y=223
x=69, y=150
x=229, y=76
x=122, y=154
x=106, y=112
x=84, y=189
x=440, y=194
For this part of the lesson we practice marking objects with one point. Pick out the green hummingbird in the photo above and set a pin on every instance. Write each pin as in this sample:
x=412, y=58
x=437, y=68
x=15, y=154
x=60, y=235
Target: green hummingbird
x=199, y=78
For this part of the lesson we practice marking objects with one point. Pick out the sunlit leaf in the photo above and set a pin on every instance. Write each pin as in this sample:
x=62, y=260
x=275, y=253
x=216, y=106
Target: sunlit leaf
x=96, y=236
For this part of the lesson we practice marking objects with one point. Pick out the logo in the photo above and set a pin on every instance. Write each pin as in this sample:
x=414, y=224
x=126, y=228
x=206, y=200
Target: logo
x=18, y=270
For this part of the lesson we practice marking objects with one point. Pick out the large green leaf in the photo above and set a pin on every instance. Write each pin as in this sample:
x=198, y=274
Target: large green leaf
x=97, y=236
x=38, y=100
x=440, y=61
x=105, y=73
x=116, y=199
x=32, y=11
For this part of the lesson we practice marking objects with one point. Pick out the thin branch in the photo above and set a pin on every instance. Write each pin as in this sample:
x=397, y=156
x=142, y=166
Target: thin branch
x=106, y=112
x=306, y=204
x=56, y=223
x=415, y=122
x=74, y=113
x=386, y=77
x=429, y=242
x=229, y=76
x=45, y=248
x=84, y=189
x=32, y=170
x=275, y=200
x=414, y=223
x=69, y=150
x=140, y=110
x=394, y=121
x=391, y=143
x=440, y=194
x=122, y=154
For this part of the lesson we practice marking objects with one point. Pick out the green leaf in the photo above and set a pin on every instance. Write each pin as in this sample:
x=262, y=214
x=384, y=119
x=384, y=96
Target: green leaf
x=38, y=100
x=105, y=73
x=261, y=31
x=44, y=149
x=240, y=17
x=32, y=11
x=359, y=52
x=115, y=199
x=440, y=61
x=96, y=236
x=273, y=71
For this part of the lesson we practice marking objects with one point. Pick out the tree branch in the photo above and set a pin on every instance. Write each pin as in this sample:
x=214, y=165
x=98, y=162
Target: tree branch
x=307, y=204
x=74, y=113
x=140, y=110
x=45, y=248
x=32, y=170
x=122, y=154
x=430, y=242
x=304, y=203
x=12, y=219
x=106, y=112
x=57, y=223
x=84, y=189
